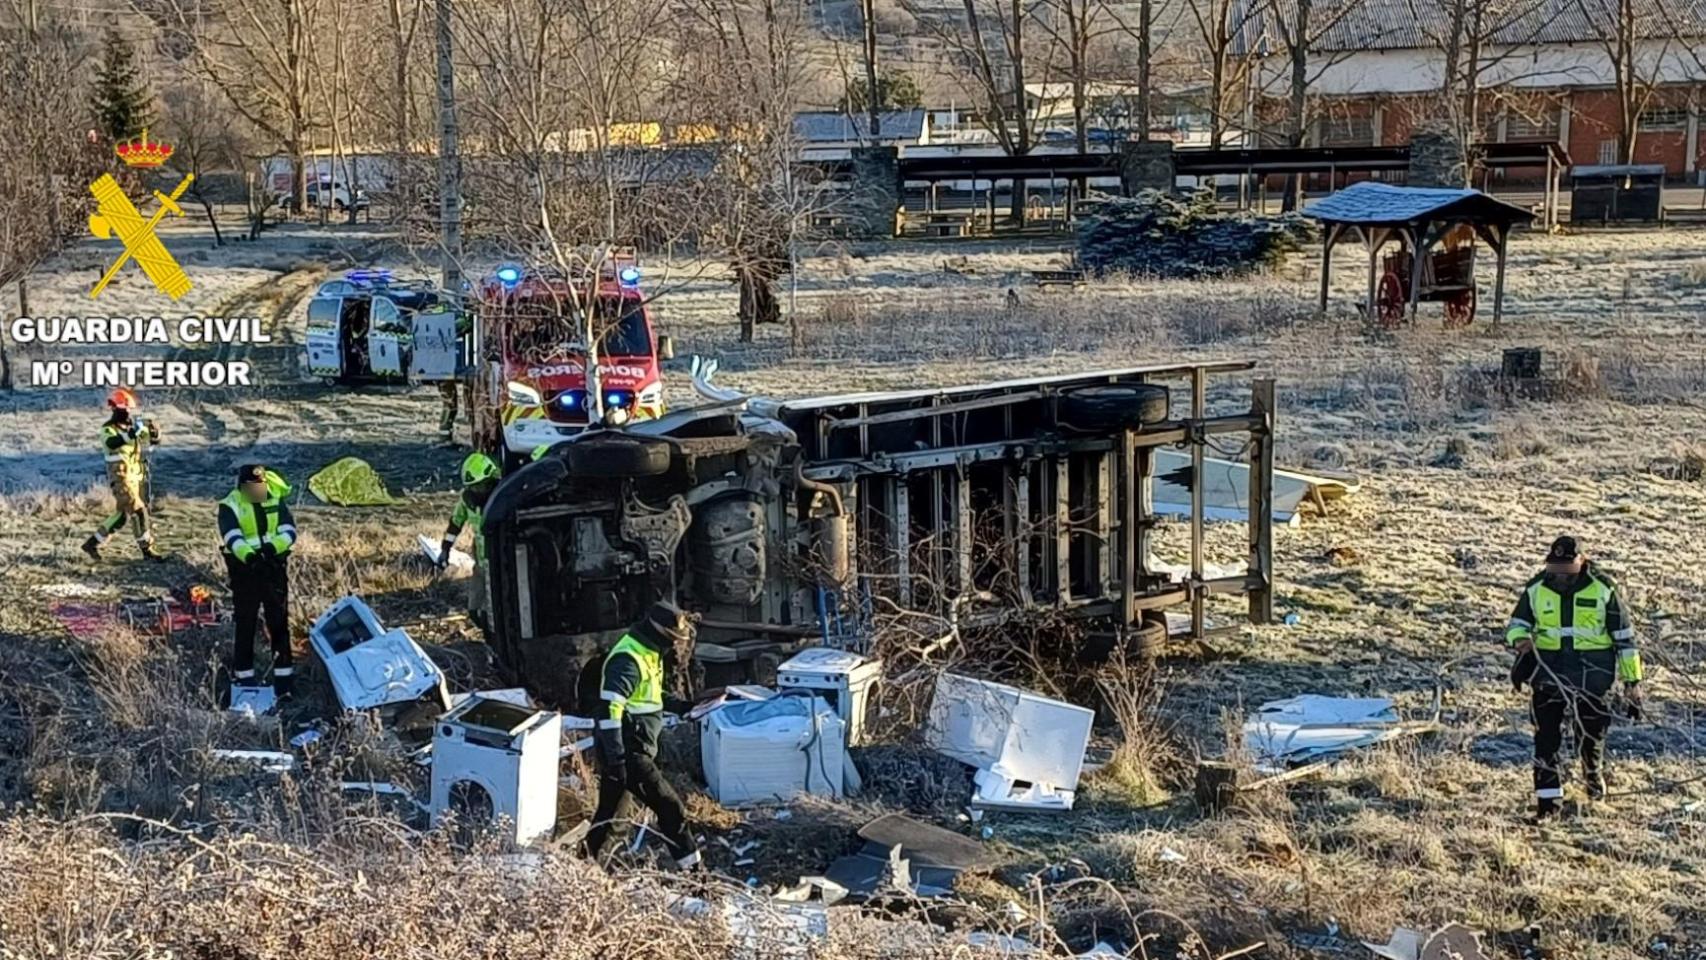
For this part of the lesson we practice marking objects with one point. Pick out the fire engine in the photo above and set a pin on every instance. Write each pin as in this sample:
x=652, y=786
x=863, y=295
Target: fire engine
x=531, y=390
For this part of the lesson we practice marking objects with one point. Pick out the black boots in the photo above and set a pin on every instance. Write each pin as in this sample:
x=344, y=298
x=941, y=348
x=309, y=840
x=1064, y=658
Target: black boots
x=92, y=547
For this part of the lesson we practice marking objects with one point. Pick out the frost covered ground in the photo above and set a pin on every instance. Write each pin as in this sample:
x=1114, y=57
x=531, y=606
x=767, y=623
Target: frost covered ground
x=1406, y=584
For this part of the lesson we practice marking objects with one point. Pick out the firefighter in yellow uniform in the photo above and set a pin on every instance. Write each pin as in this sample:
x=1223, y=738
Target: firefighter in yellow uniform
x=124, y=443
x=480, y=476
x=627, y=738
x=1573, y=640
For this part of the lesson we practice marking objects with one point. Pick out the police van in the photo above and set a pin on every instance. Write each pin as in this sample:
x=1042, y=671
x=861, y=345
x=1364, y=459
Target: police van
x=369, y=327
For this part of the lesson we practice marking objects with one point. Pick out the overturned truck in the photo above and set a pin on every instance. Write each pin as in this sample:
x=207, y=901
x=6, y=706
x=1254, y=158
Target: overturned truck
x=786, y=521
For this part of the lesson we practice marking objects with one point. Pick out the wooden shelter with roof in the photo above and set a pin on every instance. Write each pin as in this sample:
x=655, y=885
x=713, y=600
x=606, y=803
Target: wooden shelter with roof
x=1420, y=219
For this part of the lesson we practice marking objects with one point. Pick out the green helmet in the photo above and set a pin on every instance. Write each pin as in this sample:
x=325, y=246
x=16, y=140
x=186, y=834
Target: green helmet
x=478, y=467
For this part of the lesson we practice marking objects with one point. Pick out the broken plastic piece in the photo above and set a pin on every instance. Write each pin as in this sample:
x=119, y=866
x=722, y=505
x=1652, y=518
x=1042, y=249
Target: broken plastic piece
x=252, y=701
x=460, y=565
x=270, y=761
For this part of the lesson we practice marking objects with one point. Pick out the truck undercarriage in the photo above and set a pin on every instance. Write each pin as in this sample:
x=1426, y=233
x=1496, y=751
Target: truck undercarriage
x=785, y=520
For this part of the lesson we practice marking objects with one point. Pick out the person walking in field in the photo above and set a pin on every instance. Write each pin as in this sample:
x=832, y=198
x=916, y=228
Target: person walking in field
x=633, y=693
x=1573, y=640
x=124, y=444
x=256, y=532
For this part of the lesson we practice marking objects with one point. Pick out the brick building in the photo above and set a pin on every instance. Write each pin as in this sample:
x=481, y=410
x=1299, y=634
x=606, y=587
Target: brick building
x=1547, y=72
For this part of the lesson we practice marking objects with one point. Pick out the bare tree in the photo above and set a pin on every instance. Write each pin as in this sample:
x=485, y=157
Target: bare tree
x=257, y=54
x=205, y=138
x=988, y=53
x=1076, y=26
x=1220, y=25
x=1480, y=41
x=1638, y=40
x=1299, y=26
x=50, y=153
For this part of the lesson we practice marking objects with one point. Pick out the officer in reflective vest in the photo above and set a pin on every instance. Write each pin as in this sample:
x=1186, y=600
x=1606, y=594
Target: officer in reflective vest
x=633, y=692
x=480, y=477
x=257, y=532
x=1573, y=640
x=124, y=441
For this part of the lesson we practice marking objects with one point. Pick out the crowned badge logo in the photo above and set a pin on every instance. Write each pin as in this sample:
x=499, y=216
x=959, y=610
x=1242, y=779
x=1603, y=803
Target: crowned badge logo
x=117, y=216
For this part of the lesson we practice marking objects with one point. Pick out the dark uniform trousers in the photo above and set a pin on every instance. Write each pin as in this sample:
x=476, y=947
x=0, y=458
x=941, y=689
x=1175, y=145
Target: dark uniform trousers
x=263, y=584
x=646, y=782
x=1570, y=688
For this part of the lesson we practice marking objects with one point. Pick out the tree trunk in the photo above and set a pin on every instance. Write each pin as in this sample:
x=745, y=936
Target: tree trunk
x=873, y=100
x=212, y=221
x=758, y=303
x=1144, y=17
x=1299, y=51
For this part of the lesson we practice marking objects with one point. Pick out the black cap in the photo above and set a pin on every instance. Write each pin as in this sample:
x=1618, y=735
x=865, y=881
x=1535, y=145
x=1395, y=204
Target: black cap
x=1563, y=551
x=251, y=473
x=669, y=621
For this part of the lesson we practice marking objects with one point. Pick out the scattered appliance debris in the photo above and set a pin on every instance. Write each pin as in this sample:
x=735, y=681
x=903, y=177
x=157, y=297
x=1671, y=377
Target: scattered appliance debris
x=903, y=855
x=841, y=677
x=515, y=695
x=306, y=738
x=270, y=761
x=461, y=564
x=494, y=761
x=381, y=788
x=1308, y=727
x=773, y=750
x=252, y=701
x=1029, y=749
x=1226, y=489
x=369, y=666
x=1451, y=942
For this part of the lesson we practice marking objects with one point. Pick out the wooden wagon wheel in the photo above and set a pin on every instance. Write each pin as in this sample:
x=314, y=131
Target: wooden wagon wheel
x=1460, y=309
x=1390, y=303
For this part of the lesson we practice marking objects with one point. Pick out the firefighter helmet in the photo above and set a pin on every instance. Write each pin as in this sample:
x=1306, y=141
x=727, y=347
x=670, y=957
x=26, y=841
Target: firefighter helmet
x=478, y=467
x=121, y=399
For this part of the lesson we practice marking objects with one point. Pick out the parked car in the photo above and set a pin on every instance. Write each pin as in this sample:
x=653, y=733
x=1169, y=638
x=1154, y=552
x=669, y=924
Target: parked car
x=338, y=194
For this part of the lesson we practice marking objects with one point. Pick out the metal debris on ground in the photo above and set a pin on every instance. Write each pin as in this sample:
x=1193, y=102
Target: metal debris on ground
x=1028, y=749
x=1308, y=727
x=270, y=761
x=370, y=666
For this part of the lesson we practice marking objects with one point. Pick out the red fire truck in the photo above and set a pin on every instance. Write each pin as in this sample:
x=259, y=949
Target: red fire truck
x=531, y=389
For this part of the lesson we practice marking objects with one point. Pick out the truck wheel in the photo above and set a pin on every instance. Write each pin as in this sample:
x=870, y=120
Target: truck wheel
x=1148, y=638
x=1117, y=406
x=618, y=455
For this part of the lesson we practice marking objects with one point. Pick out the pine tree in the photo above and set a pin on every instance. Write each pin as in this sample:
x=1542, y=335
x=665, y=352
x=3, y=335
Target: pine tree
x=123, y=104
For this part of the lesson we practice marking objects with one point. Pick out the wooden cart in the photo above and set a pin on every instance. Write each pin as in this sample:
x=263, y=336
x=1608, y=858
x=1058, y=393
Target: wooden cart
x=1447, y=276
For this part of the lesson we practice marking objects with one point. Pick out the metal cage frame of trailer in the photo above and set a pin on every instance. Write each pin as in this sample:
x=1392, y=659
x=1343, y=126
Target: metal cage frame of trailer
x=1077, y=507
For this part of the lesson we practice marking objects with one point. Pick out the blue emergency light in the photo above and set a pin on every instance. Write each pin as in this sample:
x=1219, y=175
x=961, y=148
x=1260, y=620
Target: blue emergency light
x=628, y=276
x=509, y=276
x=615, y=399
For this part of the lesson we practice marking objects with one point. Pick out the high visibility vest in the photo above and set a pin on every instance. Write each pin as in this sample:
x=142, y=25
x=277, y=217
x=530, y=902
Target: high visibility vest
x=129, y=455
x=1587, y=621
x=466, y=513
x=250, y=534
x=648, y=693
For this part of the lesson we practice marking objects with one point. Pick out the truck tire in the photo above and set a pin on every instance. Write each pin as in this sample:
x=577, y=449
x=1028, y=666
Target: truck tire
x=618, y=456
x=1117, y=406
x=1148, y=639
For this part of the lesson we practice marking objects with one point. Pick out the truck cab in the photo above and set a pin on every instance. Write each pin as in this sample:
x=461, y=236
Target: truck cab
x=534, y=327
x=368, y=327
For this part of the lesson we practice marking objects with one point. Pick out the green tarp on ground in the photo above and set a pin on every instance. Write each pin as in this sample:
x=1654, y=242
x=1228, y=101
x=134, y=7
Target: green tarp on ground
x=350, y=482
